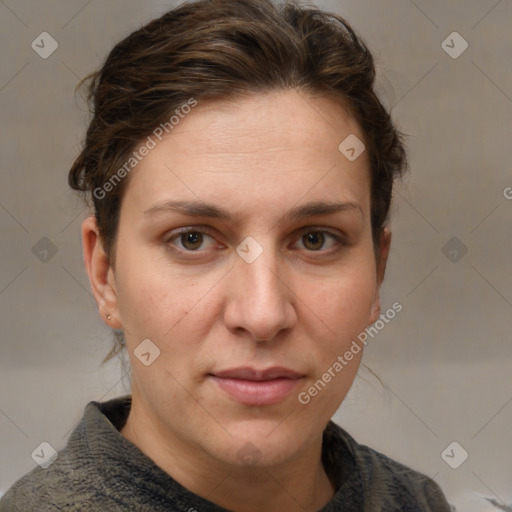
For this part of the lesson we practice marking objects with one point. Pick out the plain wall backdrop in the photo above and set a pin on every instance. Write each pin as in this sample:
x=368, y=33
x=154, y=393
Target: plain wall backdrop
x=445, y=360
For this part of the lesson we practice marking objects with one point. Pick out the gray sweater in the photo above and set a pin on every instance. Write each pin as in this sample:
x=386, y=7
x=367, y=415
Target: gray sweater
x=100, y=470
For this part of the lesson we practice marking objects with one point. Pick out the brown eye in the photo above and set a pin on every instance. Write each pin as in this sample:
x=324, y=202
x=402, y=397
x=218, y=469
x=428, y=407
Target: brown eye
x=191, y=240
x=319, y=240
x=314, y=240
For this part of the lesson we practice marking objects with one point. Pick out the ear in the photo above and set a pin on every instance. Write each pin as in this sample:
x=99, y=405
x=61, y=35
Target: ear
x=100, y=272
x=383, y=251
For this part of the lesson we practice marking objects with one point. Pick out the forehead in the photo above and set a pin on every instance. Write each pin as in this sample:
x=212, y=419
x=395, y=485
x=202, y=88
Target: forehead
x=265, y=148
x=266, y=123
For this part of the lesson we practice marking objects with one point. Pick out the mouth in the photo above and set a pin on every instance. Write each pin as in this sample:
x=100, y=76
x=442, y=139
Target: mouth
x=251, y=386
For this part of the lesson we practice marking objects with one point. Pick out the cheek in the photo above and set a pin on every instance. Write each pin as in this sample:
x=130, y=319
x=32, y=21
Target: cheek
x=147, y=300
x=342, y=310
x=343, y=304
x=158, y=302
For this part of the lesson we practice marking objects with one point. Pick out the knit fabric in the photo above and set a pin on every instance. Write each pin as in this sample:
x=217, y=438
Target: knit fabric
x=101, y=471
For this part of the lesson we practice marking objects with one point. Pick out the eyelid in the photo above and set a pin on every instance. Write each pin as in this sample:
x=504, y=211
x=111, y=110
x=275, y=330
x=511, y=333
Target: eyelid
x=171, y=236
x=321, y=229
x=188, y=229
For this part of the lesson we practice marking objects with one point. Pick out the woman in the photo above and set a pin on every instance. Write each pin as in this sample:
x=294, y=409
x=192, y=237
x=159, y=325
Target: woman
x=240, y=168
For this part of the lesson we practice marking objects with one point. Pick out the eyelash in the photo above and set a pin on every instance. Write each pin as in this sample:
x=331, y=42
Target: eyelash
x=338, y=239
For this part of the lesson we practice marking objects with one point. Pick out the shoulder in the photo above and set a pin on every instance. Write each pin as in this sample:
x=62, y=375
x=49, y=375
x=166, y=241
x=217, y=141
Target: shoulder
x=385, y=483
x=74, y=480
x=58, y=487
x=401, y=483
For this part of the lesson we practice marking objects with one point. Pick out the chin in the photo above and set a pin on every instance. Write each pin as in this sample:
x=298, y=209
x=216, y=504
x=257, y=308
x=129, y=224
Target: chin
x=260, y=443
x=258, y=453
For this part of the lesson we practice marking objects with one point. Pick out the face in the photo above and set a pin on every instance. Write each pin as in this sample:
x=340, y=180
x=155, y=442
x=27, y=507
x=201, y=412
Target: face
x=245, y=254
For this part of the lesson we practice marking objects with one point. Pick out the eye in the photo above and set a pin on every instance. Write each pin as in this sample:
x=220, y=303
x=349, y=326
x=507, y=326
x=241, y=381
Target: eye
x=315, y=240
x=191, y=239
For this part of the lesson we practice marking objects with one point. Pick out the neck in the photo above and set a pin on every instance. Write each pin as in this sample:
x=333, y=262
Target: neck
x=300, y=485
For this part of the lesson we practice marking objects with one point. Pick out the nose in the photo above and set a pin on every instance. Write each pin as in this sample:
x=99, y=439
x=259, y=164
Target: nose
x=260, y=301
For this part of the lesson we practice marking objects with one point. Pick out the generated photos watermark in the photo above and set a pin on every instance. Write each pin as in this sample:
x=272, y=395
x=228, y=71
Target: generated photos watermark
x=305, y=397
x=144, y=149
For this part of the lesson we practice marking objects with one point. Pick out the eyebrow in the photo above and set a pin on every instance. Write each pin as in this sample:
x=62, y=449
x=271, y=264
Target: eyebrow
x=201, y=209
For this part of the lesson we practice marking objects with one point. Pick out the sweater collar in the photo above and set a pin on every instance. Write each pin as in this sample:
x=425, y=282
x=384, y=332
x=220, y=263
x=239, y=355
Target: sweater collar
x=120, y=464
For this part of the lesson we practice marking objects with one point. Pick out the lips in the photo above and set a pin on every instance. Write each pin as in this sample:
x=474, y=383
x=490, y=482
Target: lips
x=246, y=373
x=251, y=386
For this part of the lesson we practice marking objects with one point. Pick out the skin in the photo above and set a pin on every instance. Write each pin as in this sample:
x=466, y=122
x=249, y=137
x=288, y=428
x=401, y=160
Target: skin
x=300, y=304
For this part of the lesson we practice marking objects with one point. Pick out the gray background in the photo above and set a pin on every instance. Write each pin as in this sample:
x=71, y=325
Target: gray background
x=445, y=360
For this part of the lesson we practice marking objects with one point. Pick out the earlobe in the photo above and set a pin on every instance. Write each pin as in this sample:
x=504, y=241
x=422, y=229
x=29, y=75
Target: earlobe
x=375, y=313
x=384, y=247
x=100, y=273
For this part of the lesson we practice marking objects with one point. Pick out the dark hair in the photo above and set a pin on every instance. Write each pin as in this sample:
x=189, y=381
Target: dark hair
x=227, y=48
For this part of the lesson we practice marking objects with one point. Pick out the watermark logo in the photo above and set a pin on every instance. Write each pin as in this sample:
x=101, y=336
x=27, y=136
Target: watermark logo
x=44, y=45
x=146, y=352
x=454, y=455
x=454, y=249
x=249, y=454
x=352, y=147
x=44, y=250
x=249, y=250
x=44, y=455
x=454, y=45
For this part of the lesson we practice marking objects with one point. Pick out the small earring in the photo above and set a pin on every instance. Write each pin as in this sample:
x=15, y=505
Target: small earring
x=108, y=317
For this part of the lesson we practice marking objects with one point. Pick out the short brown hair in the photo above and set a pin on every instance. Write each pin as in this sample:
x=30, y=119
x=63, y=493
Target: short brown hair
x=227, y=48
